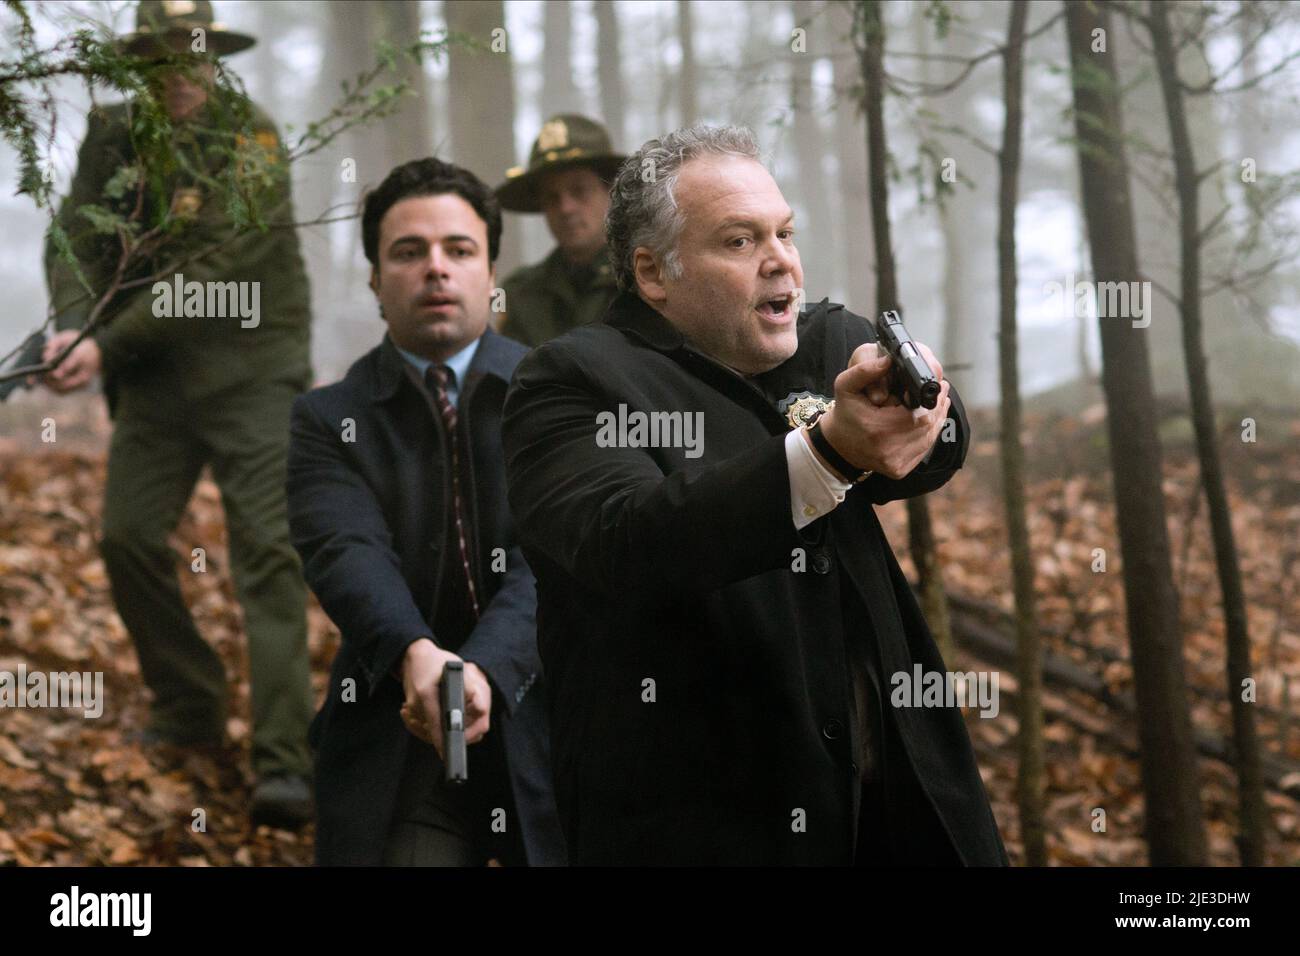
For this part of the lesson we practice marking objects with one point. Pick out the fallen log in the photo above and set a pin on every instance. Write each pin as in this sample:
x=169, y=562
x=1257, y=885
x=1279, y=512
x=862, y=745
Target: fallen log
x=989, y=644
x=992, y=615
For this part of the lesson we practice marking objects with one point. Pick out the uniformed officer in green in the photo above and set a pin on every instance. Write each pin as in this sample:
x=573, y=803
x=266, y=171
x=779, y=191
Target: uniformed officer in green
x=567, y=179
x=203, y=377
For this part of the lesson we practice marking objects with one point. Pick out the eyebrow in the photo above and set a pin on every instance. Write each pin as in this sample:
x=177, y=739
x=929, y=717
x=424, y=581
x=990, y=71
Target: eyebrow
x=732, y=223
x=456, y=237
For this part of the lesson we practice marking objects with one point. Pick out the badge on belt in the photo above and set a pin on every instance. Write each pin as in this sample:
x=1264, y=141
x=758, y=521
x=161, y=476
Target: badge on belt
x=803, y=408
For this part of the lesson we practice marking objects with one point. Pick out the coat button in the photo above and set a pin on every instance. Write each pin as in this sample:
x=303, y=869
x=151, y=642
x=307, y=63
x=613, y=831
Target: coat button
x=832, y=729
x=821, y=562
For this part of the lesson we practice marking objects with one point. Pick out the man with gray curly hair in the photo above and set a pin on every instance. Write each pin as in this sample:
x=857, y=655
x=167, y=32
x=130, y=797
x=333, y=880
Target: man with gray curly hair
x=644, y=211
x=719, y=611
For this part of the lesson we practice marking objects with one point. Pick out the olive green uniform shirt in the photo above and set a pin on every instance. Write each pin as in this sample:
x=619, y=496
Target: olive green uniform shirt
x=199, y=355
x=549, y=298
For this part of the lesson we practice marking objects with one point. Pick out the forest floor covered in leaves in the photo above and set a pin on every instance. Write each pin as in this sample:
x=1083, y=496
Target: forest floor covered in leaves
x=75, y=791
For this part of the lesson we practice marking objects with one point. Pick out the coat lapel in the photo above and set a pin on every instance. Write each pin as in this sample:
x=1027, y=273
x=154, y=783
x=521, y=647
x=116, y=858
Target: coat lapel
x=389, y=373
x=492, y=359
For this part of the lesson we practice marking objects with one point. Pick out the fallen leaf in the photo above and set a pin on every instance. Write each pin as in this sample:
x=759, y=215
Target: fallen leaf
x=45, y=838
x=11, y=755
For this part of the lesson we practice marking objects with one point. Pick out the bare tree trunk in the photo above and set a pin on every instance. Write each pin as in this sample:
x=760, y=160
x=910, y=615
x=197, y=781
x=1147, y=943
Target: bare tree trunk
x=1170, y=777
x=352, y=49
x=953, y=211
x=956, y=305
x=934, y=603
x=1252, y=114
x=266, y=66
x=477, y=144
x=410, y=132
x=1250, y=784
x=810, y=147
x=1029, y=651
x=925, y=555
x=352, y=43
x=854, y=233
x=317, y=186
x=609, y=69
x=1086, y=371
x=666, y=82
x=559, y=95
x=316, y=190
x=689, y=100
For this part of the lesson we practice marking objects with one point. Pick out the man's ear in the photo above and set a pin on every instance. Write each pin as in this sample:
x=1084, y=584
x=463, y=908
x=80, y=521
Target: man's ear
x=374, y=280
x=648, y=275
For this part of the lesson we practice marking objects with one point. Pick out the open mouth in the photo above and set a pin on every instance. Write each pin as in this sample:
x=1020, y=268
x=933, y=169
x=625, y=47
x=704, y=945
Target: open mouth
x=777, y=307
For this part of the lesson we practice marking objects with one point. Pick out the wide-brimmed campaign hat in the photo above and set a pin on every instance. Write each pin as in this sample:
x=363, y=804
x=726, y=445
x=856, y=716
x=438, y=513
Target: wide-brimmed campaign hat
x=566, y=140
x=159, y=21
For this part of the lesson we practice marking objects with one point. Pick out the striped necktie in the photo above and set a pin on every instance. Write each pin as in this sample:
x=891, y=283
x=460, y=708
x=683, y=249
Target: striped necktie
x=437, y=378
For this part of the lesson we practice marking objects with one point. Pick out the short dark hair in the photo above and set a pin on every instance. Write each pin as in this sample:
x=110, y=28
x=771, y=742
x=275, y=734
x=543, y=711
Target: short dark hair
x=429, y=177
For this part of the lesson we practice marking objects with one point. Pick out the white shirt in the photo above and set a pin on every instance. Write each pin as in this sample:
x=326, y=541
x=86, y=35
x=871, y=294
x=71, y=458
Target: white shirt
x=814, y=489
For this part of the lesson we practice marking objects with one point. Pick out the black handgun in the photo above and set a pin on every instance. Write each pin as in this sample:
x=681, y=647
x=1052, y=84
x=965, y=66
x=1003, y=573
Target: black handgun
x=911, y=377
x=456, y=763
x=31, y=354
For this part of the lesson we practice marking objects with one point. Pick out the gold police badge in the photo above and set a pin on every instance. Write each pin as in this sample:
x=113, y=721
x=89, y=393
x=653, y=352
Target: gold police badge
x=264, y=138
x=554, y=135
x=803, y=408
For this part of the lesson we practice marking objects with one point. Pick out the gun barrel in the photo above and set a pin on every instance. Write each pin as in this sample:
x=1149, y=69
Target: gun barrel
x=921, y=382
x=915, y=379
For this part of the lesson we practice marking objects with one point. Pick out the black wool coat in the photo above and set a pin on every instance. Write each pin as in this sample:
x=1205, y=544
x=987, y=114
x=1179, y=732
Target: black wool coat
x=698, y=682
x=369, y=494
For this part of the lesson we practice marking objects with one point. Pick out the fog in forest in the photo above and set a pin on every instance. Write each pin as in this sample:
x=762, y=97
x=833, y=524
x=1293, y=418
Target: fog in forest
x=788, y=70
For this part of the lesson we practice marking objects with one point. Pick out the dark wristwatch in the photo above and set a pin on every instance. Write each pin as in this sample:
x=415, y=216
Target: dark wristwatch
x=846, y=469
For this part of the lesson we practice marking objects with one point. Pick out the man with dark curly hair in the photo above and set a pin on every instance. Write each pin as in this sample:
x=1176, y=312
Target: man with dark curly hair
x=397, y=506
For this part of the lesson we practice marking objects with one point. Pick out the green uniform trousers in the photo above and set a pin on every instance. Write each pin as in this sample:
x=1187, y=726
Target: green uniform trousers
x=160, y=444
